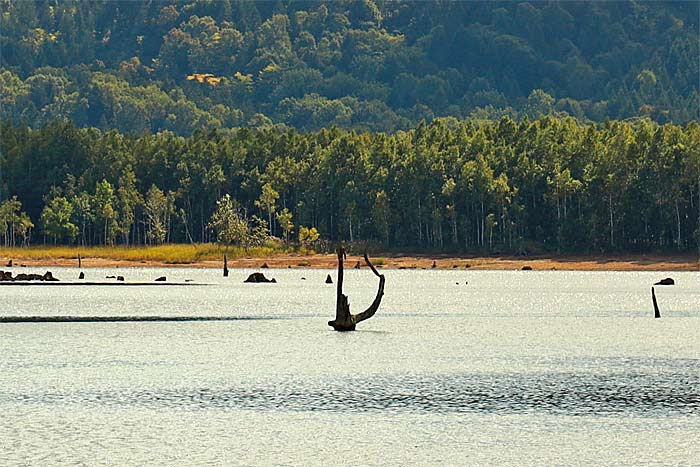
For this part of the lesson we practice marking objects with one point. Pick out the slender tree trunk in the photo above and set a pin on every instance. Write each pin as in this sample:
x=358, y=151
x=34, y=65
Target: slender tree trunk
x=482, y=220
x=420, y=226
x=612, y=226
x=455, y=240
x=678, y=222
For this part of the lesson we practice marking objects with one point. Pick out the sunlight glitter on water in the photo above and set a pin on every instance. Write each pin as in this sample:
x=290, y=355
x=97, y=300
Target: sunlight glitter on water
x=514, y=368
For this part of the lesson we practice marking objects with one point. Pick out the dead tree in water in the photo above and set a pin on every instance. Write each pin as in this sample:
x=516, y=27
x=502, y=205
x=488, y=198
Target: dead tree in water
x=657, y=314
x=344, y=320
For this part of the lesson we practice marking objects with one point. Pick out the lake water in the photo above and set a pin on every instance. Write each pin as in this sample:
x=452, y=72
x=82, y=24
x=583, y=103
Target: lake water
x=513, y=368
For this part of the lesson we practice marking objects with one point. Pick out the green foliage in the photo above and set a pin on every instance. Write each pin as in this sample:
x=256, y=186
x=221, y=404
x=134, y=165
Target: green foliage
x=55, y=219
x=233, y=227
x=362, y=65
x=14, y=224
x=267, y=201
x=284, y=219
x=157, y=209
x=230, y=226
x=551, y=183
x=308, y=236
x=104, y=208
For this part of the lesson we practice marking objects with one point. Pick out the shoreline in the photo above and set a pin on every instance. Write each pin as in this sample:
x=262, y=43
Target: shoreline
x=391, y=261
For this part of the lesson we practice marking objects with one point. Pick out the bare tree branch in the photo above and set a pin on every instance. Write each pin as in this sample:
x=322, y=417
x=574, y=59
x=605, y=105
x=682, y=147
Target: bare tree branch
x=344, y=320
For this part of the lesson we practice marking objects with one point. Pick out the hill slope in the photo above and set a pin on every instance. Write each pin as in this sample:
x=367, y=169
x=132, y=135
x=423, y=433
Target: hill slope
x=180, y=65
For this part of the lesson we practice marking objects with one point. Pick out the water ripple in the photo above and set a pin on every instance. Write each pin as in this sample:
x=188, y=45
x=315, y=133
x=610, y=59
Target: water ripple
x=569, y=394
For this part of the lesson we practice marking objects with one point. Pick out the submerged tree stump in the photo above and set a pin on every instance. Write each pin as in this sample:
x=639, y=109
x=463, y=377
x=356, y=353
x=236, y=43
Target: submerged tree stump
x=667, y=281
x=344, y=320
x=259, y=277
x=657, y=314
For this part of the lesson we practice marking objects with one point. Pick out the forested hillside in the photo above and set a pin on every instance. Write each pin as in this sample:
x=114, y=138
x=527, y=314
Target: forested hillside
x=505, y=186
x=147, y=66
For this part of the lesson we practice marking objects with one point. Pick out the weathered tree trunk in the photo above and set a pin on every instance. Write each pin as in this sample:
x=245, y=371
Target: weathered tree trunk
x=225, y=267
x=657, y=314
x=344, y=320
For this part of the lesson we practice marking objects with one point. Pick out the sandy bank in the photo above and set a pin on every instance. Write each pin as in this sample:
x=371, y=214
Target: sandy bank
x=398, y=261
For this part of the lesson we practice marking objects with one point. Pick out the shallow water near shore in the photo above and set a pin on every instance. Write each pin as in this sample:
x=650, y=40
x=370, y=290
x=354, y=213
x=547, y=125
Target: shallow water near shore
x=457, y=368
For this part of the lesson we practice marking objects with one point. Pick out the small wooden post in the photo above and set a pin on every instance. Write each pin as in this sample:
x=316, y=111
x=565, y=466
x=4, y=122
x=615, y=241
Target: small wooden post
x=225, y=267
x=657, y=314
x=80, y=265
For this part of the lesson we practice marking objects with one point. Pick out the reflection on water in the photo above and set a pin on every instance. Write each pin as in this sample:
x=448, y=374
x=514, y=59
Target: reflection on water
x=535, y=368
x=565, y=394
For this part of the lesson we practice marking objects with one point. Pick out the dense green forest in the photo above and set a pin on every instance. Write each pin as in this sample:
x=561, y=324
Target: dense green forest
x=506, y=186
x=146, y=66
x=468, y=126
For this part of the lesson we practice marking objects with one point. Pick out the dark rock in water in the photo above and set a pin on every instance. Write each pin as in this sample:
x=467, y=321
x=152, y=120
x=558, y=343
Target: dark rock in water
x=49, y=277
x=303, y=278
x=120, y=278
x=667, y=281
x=526, y=268
x=328, y=279
x=9, y=264
x=82, y=275
x=161, y=279
x=273, y=280
x=434, y=264
x=289, y=266
x=258, y=277
x=7, y=276
x=189, y=280
x=109, y=277
x=264, y=266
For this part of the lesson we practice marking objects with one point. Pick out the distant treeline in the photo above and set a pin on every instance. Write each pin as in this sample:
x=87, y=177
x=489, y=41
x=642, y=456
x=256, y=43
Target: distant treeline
x=146, y=66
x=502, y=186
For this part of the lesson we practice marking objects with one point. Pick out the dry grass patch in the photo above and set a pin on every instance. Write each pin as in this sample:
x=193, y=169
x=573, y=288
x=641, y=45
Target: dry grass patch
x=173, y=253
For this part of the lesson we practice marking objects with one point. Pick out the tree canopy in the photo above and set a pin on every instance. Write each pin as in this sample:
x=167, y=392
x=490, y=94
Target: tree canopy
x=492, y=186
x=148, y=66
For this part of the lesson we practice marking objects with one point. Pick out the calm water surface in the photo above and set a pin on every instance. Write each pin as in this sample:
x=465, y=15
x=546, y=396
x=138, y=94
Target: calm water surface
x=513, y=368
